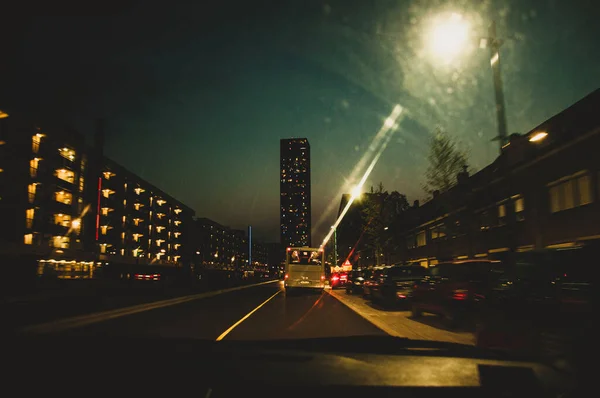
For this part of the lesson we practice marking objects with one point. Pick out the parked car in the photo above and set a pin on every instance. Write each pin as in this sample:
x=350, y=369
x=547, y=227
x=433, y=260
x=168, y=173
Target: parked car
x=541, y=295
x=356, y=278
x=396, y=283
x=372, y=280
x=454, y=289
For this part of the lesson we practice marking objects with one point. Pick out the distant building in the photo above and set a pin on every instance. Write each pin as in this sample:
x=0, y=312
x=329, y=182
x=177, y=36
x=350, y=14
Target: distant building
x=138, y=222
x=260, y=254
x=295, y=192
x=275, y=253
x=218, y=246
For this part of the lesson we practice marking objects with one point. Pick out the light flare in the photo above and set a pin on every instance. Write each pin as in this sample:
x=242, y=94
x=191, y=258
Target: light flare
x=382, y=138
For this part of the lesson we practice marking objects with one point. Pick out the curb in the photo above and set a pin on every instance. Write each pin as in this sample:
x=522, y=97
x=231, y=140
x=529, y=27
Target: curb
x=88, y=319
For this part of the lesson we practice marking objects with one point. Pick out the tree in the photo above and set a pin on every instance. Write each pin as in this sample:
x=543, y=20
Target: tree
x=446, y=160
x=381, y=213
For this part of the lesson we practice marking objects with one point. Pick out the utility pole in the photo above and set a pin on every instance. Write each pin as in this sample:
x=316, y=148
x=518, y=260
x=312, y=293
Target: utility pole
x=495, y=44
x=335, y=257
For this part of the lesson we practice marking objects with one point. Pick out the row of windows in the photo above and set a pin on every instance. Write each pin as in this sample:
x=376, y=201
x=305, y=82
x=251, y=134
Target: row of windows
x=566, y=193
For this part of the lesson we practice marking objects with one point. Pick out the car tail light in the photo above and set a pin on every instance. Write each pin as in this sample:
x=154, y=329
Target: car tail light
x=401, y=296
x=335, y=278
x=460, y=294
x=322, y=277
x=286, y=276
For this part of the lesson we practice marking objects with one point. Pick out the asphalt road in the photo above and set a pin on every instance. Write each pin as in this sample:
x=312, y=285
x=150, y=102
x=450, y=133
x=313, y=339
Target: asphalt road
x=253, y=313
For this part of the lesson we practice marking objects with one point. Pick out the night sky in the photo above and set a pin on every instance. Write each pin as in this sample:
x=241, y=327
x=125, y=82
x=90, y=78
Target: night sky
x=196, y=97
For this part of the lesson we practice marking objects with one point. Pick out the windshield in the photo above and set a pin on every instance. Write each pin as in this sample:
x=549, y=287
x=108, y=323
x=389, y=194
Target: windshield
x=198, y=170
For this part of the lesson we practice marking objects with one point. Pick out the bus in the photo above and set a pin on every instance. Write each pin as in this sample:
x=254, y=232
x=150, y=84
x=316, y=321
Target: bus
x=304, y=268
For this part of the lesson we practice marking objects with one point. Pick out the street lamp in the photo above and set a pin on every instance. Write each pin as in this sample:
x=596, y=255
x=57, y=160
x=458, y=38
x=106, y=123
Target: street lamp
x=448, y=37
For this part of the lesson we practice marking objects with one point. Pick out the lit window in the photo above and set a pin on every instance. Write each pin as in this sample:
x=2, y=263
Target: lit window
x=159, y=228
x=67, y=153
x=571, y=192
x=103, y=248
x=161, y=202
x=33, y=166
x=123, y=236
x=177, y=211
x=63, y=197
x=177, y=222
x=177, y=234
x=28, y=239
x=105, y=211
x=137, y=221
x=139, y=190
x=61, y=242
x=159, y=242
x=520, y=208
x=421, y=239
x=108, y=174
x=104, y=229
x=136, y=237
x=36, y=140
x=124, y=218
x=62, y=219
x=160, y=215
x=122, y=252
x=65, y=175
x=107, y=192
x=584, y=187
x=502, y=214
x=31, y=188
x=138, y=206
x=29, y=214
x=81, y=183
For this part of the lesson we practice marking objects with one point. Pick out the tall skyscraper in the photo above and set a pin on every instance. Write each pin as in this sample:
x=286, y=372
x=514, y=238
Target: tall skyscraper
x=295, y=192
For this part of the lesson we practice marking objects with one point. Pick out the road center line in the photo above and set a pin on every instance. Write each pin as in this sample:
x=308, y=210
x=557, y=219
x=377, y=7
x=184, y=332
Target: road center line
x=225, y=333
x=83, y=320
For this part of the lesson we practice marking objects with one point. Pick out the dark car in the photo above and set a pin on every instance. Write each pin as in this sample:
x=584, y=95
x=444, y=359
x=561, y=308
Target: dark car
x=454, y=289
x=371, y=281
x=356, y=278
x=396, y=283
x=540, y=295
x=338, y=279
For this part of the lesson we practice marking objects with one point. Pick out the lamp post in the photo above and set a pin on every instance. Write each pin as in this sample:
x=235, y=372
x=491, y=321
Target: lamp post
x=495, y=44
x=449, y=36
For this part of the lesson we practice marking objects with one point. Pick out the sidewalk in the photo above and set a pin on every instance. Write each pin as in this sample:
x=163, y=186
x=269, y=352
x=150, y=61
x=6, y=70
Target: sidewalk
x=399, y=323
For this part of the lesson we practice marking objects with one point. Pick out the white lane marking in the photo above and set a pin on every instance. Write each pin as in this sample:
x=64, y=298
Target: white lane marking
x=83, y=320
x=225, y=333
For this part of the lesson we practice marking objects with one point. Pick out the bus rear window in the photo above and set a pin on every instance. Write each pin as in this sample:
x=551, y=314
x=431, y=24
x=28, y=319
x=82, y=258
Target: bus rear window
x=305, y=257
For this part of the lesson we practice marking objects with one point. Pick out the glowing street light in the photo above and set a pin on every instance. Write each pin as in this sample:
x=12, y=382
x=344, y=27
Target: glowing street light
x=357, y=191
x=448, y=36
